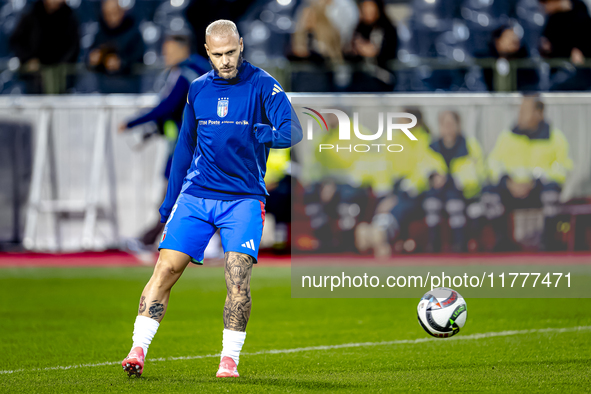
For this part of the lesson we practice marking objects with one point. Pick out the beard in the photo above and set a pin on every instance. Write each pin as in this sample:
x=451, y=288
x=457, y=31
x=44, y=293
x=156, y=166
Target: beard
x=234, y=72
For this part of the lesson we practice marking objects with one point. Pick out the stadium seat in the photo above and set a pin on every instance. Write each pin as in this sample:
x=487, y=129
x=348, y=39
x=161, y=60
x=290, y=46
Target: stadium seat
x=88, y=11
x=479, y=43
x=531, y=17
x=143, y=10
x=9, y=15
x=440, y=9
x=267, y=28
x=492, y=8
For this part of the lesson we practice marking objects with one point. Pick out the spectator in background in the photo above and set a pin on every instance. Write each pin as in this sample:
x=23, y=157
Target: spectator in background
x=182, y=69
x=506, y=44
x=528, y=167
x=340, y=193
x=46, y=41
x=117, y=48
x=456, y=174
x=323, y=29
x=566, y=36
x=316, y=37
x=395, y=210
x=375, y=41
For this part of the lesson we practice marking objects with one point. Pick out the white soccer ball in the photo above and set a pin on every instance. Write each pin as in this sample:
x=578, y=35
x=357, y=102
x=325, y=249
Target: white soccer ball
x=442, y=312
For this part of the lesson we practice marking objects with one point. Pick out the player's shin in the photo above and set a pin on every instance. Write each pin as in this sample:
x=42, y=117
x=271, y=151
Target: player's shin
x=238, y=303
x=150, y=313
x=154, y=299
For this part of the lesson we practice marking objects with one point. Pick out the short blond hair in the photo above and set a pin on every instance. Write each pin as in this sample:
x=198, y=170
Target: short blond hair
x=221, y=28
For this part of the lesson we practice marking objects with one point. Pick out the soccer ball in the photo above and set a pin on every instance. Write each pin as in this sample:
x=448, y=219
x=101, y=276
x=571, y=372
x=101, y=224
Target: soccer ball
x=442, y=312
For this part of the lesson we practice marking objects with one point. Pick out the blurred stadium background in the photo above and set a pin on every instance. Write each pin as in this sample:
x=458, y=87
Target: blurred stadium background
x=78, y=192
x=70, y=182
x=317, y=45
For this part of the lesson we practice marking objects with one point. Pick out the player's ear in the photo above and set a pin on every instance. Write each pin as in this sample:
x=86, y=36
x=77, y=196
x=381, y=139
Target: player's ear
x=206, y=48
x=241, y=45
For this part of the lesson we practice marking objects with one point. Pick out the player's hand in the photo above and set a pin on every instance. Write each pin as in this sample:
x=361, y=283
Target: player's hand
x=122, y=127
x=263, y=133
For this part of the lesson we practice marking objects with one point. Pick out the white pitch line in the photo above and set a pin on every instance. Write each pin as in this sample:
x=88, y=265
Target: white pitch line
x=330, y=347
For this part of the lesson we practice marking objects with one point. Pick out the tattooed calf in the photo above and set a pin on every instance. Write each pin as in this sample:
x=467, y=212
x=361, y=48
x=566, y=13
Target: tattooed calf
x=156, y=310
x=142, y=307
x=238, y=301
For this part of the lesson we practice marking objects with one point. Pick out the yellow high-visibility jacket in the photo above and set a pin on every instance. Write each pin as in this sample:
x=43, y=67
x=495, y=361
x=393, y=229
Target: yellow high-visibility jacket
x=384, y=168
x=333, y=163
x=540, y=155
x=377, y=169
x=405, y=162
x=466, y=168
x=277, y=165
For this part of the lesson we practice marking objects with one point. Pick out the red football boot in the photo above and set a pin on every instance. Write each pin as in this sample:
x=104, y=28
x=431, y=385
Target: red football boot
x=134, y=362
x=227, y=369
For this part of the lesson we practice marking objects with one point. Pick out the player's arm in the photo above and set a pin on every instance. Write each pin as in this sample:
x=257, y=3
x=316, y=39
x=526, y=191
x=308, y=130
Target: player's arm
x=166, y=107
x=497, y=160
x=181, y=160
x=286, y=130
x=478, y=157
x=562, y=164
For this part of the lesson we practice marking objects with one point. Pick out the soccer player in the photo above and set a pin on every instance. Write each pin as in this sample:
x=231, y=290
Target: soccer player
x=234, y=115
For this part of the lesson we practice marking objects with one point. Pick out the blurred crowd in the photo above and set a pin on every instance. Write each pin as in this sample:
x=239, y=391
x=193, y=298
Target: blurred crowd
x=439, y=194
x=105, y=46
x=469, y=45
x=115, y=46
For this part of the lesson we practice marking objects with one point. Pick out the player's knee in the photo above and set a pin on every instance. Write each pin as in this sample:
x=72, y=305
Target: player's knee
x=238, y=291
x=165, y=271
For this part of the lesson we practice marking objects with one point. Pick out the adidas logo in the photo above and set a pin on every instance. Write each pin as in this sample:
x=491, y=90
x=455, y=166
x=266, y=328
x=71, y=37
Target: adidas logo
x=249, y=245
x=276, y=89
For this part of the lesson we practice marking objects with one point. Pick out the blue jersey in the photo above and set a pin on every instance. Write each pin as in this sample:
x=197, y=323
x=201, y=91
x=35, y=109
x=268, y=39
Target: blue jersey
x=219, y=154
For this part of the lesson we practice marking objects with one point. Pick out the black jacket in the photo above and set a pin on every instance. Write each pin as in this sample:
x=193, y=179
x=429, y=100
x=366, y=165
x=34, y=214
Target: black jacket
x=568, y=30
x=51, y=38
x=125, y=41
x=386, y=34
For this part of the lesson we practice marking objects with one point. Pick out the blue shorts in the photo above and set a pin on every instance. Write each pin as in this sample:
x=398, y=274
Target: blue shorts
x=194, y=220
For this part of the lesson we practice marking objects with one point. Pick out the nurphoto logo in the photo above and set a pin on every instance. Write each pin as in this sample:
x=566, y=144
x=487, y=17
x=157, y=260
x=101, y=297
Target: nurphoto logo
x=345, y=130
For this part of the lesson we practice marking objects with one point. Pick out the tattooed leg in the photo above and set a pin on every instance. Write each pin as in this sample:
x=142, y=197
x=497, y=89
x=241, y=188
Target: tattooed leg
x=168, y=270
x=142, y=307
x=153, y=303
x=238, y=302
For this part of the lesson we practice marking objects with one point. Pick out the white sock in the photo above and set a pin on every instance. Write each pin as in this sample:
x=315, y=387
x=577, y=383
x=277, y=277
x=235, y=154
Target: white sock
x=144, y=330
x=232, y=344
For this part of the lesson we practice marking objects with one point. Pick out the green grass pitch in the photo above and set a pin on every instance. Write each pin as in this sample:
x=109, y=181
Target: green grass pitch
x=65, y=317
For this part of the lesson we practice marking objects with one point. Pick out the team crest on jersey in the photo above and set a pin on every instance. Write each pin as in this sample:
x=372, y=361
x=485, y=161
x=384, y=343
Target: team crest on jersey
x=223, y=107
